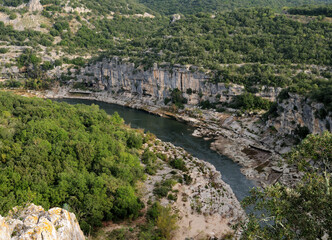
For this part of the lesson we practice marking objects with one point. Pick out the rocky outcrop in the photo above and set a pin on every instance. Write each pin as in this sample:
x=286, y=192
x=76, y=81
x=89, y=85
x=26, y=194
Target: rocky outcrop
x=114, y=76
x=35, y=5
x=33, y=222
x=298, y=111
x=175, y=17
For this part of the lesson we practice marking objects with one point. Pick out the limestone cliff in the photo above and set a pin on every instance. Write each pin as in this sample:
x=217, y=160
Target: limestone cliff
x=157, y=82
x=298, y=111
x=33, y=222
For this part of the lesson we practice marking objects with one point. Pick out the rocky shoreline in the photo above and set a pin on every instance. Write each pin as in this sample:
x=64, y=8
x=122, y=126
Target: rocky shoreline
x=254, y=146
x=206, y=205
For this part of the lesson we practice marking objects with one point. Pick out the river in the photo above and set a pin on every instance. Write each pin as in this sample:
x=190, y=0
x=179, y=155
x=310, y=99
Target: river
x=180, y=134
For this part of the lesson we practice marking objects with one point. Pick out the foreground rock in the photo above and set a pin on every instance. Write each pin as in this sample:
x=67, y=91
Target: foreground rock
x=33, y=222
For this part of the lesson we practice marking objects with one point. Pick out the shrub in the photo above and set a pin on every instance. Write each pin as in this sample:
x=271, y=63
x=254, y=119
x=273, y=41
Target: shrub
x=248, y=101
x=162, y=188
x=12, y=16
x=149, y=159
x=4, y=50
x=166, y=222
x=167, y=100
x=187, y=179
x=134, y=140
x=178, y=163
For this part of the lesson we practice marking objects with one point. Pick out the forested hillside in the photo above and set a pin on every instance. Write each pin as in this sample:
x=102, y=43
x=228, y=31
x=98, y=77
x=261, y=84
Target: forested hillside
x=195, y=6
x=77, y=157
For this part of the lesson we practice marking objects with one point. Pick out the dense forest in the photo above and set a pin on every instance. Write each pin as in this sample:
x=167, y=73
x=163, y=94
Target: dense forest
x=77, y=157
x=195, y=6
x=312, y=10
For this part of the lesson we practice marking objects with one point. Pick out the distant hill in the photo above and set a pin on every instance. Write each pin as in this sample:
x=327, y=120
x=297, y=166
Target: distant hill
x=194, y=6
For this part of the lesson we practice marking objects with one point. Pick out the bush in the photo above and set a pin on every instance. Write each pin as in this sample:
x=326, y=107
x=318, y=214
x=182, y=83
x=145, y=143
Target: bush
x=4, y=50
x=248, y=101
x=172, y=197
x=162, y=188
x=149, y=159
x=206, y=104
x=178, y=163
x=134, y=140
x=12, y=16
x=187, y=179
x=177, y=98
x=301, y=132
x=166, y=222
x=189, y=91
x=154, y=211
x=167, y=100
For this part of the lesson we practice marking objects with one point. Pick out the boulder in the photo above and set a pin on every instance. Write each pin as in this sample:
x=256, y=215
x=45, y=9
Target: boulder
x=33, y=222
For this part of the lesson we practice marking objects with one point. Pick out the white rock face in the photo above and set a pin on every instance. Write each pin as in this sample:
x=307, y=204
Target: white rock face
x=33, y=222
x=298, y=110
x=157, y=82
x=35, y=5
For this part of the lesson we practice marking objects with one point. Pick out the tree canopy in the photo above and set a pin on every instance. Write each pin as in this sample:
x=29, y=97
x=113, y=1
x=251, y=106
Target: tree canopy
x=55, y=154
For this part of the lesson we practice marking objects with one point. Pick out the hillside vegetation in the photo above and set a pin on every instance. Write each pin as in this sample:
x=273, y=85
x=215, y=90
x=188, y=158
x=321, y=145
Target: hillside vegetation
x=195, y=6
x=78, y=157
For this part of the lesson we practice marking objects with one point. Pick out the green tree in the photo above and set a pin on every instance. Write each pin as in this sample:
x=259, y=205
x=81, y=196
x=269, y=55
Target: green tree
x=166, y=222
x=303, y=211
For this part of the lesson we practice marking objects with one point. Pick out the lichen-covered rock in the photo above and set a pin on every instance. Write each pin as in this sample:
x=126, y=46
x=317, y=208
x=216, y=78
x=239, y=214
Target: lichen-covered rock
x=33, y=222
x=35, y=5
x=4, y=229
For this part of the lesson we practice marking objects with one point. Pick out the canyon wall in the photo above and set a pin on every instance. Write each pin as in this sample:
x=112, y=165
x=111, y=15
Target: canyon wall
x=298, y=111
x=158, y=82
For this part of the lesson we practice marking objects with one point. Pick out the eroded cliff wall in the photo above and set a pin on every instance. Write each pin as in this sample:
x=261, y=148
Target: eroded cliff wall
x=298, y=111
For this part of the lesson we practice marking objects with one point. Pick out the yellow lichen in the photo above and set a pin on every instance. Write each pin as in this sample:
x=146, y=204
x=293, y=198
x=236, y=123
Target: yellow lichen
x=47, y=226
x=69, y=218
x=56, y=211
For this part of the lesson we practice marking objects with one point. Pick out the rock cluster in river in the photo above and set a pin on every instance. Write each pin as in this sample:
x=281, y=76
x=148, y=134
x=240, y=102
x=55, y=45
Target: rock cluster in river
x=33, y=222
